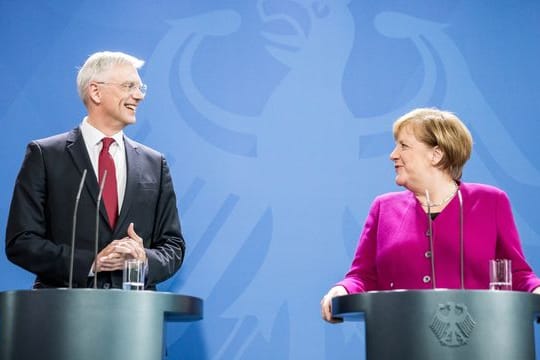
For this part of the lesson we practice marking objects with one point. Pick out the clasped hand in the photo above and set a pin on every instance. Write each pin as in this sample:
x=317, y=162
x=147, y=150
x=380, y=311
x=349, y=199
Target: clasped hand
x=113, y=256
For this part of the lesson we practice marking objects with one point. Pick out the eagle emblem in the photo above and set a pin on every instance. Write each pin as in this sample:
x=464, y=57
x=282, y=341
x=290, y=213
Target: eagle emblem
x=452, y=324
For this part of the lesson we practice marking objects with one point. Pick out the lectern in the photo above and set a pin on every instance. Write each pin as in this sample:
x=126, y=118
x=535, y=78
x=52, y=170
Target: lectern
x=80, y=324
x=444, y=324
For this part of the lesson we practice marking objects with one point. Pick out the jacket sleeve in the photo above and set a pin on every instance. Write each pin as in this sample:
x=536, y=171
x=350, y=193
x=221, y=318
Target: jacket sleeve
x=28, y=233
x=509, y=247
x=166, y=251
x=362, y=275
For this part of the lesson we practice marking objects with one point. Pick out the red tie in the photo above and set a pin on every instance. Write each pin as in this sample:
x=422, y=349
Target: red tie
x=110, y=193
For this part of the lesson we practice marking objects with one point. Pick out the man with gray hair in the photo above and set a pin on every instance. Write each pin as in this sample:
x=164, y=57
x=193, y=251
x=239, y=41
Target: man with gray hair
x=138, y=213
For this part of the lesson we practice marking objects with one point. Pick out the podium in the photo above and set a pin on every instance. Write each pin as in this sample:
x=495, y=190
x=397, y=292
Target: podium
x=444, y=324
x=80, y=324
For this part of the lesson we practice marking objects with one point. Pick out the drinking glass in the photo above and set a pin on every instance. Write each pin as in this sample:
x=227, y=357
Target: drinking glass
x=133, y=275
x=500, y=274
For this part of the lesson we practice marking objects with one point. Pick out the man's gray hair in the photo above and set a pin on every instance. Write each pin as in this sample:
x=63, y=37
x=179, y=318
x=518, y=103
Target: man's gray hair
x=99, y=63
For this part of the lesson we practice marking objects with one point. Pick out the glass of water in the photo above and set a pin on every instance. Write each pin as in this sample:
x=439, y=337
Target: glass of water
x=133, y=275
x=500, y=274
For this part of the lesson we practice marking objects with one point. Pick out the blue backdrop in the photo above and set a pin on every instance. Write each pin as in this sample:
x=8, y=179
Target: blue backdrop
x=275, y=117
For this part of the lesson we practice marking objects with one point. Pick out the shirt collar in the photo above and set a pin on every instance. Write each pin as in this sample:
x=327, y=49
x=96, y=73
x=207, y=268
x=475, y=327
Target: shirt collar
x=93, y=136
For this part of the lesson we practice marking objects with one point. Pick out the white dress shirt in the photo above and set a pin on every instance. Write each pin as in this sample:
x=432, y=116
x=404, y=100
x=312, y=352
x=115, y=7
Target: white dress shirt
x=92, y=138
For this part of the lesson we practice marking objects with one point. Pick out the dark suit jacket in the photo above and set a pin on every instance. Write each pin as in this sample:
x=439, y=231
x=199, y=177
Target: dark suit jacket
x=39, y=228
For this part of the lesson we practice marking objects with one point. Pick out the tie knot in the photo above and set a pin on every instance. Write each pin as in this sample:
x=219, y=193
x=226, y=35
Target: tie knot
x=107, y=141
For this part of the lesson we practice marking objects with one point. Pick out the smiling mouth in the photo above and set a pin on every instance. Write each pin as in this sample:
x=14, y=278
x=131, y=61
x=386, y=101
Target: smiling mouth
x=132, y=107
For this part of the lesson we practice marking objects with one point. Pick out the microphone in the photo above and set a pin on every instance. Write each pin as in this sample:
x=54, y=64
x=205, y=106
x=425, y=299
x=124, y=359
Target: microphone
x=430, y=220
x=74, y=228
x=96, y=243
x=461, y=242
x=430, y=235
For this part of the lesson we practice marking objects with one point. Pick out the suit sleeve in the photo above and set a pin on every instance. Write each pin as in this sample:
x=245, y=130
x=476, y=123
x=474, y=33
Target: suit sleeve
x=362, y=275
x=28, y=236
x=509, y=247
x=166, y=252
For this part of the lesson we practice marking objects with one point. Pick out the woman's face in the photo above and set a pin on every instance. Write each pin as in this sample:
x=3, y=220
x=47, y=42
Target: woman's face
x=413, y=160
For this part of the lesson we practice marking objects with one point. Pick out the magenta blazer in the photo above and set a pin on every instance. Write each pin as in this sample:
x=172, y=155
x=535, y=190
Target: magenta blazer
x=393, y=250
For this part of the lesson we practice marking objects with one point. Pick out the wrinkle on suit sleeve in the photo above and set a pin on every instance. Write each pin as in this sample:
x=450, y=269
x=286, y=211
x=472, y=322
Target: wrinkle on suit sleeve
x=166, y=252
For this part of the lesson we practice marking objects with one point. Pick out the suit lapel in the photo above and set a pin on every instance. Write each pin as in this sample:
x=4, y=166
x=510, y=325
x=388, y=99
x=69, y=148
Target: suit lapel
x=76, y=147
x=133, y=169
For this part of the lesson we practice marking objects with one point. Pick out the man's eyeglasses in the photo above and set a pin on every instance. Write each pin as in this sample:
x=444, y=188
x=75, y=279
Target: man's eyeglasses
x=130, y=87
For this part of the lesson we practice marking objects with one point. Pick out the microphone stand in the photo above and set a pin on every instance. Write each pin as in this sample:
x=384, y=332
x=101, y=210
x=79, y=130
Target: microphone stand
x=430, y=235
x=96, y=243
x=461, y=240
x=74, y=228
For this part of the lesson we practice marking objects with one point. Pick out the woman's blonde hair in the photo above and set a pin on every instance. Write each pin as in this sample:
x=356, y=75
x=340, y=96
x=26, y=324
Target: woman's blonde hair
x=444, y=129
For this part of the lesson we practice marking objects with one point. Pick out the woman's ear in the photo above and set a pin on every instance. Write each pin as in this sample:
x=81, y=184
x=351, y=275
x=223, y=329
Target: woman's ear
x=437, y=155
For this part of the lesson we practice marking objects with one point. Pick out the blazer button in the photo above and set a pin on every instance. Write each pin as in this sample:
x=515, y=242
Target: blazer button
x=106, y=286
x=427, y=254
x=426, y=279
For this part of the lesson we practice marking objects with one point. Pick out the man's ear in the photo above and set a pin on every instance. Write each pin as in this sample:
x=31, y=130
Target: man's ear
x=94, y=93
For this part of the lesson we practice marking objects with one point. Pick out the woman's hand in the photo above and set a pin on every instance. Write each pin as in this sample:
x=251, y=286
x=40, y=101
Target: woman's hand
x=326, y=303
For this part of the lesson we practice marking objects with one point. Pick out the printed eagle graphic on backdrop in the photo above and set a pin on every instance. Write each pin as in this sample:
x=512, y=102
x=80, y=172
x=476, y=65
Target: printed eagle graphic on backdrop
x=256, y=191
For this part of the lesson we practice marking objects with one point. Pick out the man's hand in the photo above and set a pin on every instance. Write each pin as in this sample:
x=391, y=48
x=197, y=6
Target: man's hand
x=113, y=256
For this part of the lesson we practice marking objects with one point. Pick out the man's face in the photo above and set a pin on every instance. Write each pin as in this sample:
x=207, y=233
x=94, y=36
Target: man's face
x=120, y=95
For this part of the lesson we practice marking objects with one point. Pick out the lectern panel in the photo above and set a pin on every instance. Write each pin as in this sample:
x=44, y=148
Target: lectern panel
x=444, y=324
x=82, y=324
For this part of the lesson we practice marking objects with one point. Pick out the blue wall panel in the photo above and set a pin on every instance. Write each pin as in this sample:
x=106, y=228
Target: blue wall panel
x=276, y=120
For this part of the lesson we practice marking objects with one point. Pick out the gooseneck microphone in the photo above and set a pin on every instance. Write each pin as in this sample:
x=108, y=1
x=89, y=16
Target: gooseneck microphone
x=430, y=235
x=74, y=228
x=96, y=243
x=461, y=241
x=461, y=245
